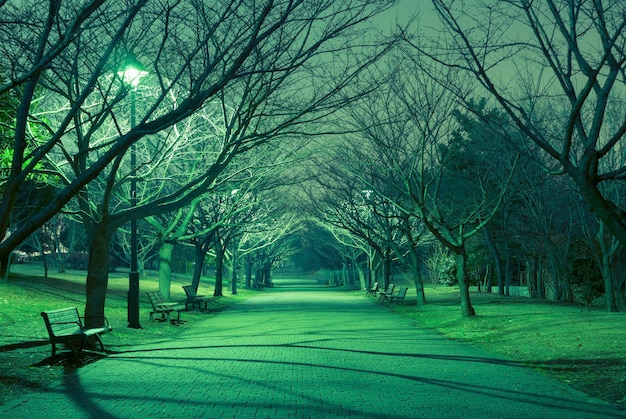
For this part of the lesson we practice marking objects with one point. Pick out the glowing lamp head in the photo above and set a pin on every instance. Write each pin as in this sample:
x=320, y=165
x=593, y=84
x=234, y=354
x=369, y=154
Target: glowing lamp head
x=131, y=71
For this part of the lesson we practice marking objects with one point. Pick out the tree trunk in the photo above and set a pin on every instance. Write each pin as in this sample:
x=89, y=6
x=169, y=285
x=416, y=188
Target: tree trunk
x=233, y=277
x=504, y=289
x=461, y=275
x=603, y=208
x=419, y=290
x=487, y=279
x=4, y=264
x=416, y=266
x=496, y=260
x=419, y=282
x=541, y=283
x=267, y=276
x=387, y=268
x=199, y=256
x=97, y=277
x=506, y=270
x=5, y=275
x=45, y=263
x=607, y=251
x=248, y=272
x=165, y=268
x=557, y=282
x=368, y=272
x=609, y=286
x=219, y=271
x=620, y=281
x=532, y=277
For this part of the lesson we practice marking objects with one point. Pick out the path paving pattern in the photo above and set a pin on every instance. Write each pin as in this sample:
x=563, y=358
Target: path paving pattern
x=307, y=352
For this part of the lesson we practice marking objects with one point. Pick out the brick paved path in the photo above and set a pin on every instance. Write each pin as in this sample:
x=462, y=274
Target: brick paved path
x=307, y=352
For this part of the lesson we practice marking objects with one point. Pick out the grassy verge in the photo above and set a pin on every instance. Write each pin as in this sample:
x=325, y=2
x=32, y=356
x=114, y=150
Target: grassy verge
x=24, y=347
x=583, y=349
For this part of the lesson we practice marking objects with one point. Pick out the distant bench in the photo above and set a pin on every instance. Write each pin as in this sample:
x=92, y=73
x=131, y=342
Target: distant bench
x=373, y=290
x=65, y=326
x=389, y=296
x=388, y=292
x=164, y=308
x=396, y=298
x=193, y=298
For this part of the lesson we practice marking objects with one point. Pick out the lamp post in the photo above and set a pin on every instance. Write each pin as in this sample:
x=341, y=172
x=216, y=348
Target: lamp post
x=234, y=239
x=131, y=73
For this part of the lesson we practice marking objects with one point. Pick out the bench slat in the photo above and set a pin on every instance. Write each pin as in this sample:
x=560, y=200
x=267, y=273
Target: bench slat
x=162, y=307
x=65, y=326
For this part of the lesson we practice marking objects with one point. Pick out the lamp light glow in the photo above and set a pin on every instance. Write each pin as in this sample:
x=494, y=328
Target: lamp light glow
x=131, y=70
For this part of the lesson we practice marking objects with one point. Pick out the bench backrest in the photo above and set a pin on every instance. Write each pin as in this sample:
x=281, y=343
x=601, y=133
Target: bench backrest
x=375, y=286
x=156, y=298
x=390, y=288
x=62, y=322
x=403, y=292
x=190, y=291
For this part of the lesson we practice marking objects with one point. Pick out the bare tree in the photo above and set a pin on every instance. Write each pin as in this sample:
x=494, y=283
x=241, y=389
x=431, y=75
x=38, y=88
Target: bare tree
x=340, y=199
x=265, y=240
x=557, y=68
x=195, y=52
x=426, y=164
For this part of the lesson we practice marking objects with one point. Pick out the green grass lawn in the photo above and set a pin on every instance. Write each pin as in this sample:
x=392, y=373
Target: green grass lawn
x=586, y=350
x=24, y=347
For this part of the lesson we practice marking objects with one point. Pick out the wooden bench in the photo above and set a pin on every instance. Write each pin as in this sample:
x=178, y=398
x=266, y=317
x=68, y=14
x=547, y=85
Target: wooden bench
x=384, y=295
x=396, y=298
x=65, y=326
x=193, y=298
x=162, y=307
x=373, y=290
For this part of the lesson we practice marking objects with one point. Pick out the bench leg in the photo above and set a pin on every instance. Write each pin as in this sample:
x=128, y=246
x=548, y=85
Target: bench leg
x=54, y=351
x=100, y=341
x=73, y=348
x=177, y=317
x=164, y=316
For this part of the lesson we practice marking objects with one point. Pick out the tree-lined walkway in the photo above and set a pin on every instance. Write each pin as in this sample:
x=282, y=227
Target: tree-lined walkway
x=304, y=351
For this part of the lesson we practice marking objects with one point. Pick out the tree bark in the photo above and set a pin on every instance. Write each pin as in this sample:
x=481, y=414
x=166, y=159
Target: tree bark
x=268, y=277
x=248, y=272
x=496, y=260
x=234, y=272
x=533, y=266
x=219, y=271
x=417, y=279
x=387, y=268
x=4, y=263
x=258, y=278
x=97, y=277
x=198, y=265
x=419, y=289
x=461, y=275
x=362, y=278
x=165, y=268
x=609, y=286
x=607, y=251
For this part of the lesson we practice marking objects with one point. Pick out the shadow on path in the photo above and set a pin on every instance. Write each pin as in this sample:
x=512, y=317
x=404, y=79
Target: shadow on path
x=304, y=350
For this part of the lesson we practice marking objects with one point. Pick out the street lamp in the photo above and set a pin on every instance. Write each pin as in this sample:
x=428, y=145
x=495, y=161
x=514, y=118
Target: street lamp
x=131, y=73
x=234, y=239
